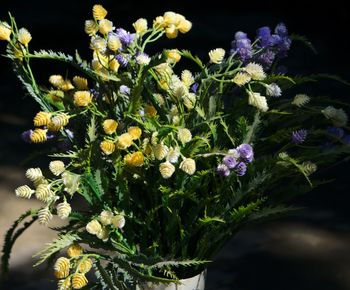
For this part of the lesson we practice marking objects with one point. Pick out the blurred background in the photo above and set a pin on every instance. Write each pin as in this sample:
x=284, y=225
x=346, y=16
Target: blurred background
x=309, y=250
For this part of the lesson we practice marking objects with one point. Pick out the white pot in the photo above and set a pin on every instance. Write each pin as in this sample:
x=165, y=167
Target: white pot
x=194, y=283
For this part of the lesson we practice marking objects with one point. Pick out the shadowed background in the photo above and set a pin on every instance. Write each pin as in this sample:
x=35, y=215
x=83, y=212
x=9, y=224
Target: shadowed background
x=308, y=250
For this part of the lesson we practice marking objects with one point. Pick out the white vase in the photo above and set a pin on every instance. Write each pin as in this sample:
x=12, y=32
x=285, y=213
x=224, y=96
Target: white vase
x=194, y=283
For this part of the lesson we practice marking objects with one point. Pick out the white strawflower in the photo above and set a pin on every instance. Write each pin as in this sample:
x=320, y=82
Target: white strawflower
x=273, y=90
x=258, y=101
x=337, y=116
x=187, y=78
x=118, y=221
x=166, y=169
x=189, y=100
x=34, y=174
x=24, y=36
x=188, y=165
x=241, y=79
x=179, y=90
x=216, y=55
x=57, y=167
x=143, y=59
x=93, y=227
x=44, y=216
x=184, y=135
x=300, y=100
x=63, y=210
x=174, y=154
x=160, y=151
x=256, y=71
x=106, y=217
x=24, y=191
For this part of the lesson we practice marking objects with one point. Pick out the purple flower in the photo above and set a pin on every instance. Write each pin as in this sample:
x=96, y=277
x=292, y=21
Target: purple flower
x=299, y=136
x=346, y=139
x=123, y=61
x=337, y=132
x=283, y=45
x=125, y=37
x=281, y=30
x=229, y=161
x=241, y=169
x=267, y=58
x=194, y=87
x=26, y=136
x=95, y=93
x=223, y=170
x=264, y=34
x=124, y=90
x=242, y=46
x=245, y=152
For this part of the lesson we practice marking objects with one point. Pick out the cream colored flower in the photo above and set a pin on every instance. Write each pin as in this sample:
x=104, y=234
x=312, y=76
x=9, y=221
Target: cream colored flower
x=173, y=56
x=160, y=99
x=143, y=59
x=140, y=26
x=256, y=71
x=61, y=268
x=107, y=147
x=93, y=227
x=71, y=182
x=187, y=78
x=43, y=193
x=79, y=281
x=44, y=216
x=99, y=12
x=113, y=42
x=184, y=26
x=85, y=265
x=170, y=18
x=258, y=101
x=160, y=151
x=57, y=167
x=217, y=55
x=166, y=169
x=59, y=121
x=174, y=154
x=159, y=22
x=64, y=284
x=74, y=250
x=5, y=31
x=337, y=116
x=56, y=80
x=189, y=100
x=63, y=210
x=154, y=138
x=24, y=191
x=188, y=165
x=124, y=141
x=135, y=132
x=300, y=100
x=171, y=31
x=98, y=44
x=106, y=217
x=103, y=234
x=24, y=36
x=81, y=83
x=118, y=221
x=82, y=98
x=91, y=27
x=184, y=135
x=241, y=79
x=34, y=174
x=105, y=26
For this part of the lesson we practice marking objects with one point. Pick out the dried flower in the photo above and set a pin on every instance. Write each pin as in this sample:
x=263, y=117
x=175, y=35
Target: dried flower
x=173, y=56
x=63, y=210
x=93, y=227
x=160, y=151
x=124, y=141
x=24, y=191
x=56, y=167
x=166, y=169
x=140, y=26
x=99, y=12
x=71, y=182
x=184, y=135
x=135, y=132
x=5, y=31
x=61, y=267
x=113, y=42
x=173, y=155
x=34, y=174
x=118, y=221
x=258, y=101
x=273, y=90
x=188, y=165
x=299, y=136
x=245, y=152
x=74, y=250
x=143, y=59
x=187, y=78
x=223, y=170
x=105, y=26
x=300, y=100
x=42, y=119
x=80, y=82
x=39, y=135
x=58, y=122
x=217, y=55
x=229, y=161
x=110, y=126
x=43, y=192
x=82, y=98
x=134, y=159
x=85, y=265
x=44, y=216
x=91, y=27
x=107, y=147
x=337, y=116
x=24, y=36
x=256, y=71
x=79, y=281
x=241, y=169
x=241, y=79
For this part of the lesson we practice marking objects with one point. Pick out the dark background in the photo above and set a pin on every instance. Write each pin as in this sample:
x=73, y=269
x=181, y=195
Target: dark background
x=254, y=259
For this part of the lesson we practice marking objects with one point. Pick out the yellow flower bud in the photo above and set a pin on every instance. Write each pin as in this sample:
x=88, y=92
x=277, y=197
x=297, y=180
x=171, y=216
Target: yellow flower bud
x=135, y=132
x=74, y=250
x=184, y=135
x=56, y=80
x=109, y=126
x=108, y=147
x=105, y=26
x=124, y=141
x=5, y=31
x=188, y=165
x=114, y=42
x=42, y=119
x=93, y=227
x=99, y=12
x=91, y=27
x=171, y=31
x=57, y=167
x=82, y=98
x=185, y=26
x=80, y=83
x=173, y=56
x=39, y=135
x=24, y=36
x=79, y=281
x=114, y=65
x=85, y=266
x=159, y=22
x=170, y=18
x=216, y=55
x=140, y=26
x=61, y=268
x=135, y=159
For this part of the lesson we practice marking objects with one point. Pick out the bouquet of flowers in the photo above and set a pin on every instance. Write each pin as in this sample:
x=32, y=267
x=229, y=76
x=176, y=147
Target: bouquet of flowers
x=170, y=164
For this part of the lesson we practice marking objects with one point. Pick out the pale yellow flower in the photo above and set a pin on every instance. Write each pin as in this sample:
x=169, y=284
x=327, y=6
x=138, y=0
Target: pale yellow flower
x=38, y=135
x=113, y=42
x=103, y=234
x=258, y=101
x=44, y=216
x=188, y=165
x=57, y=167
x=118, y=221
x=107, y=147
x=66, y=86
x=85, y=266
x=34, y=174
x=159, y=22
x=99, y=12
x=256, y=71
x=64, y=284
x=124, y=141
x=44, y=193
x=143, y=59
x=140, y=26
x=135, y=132
x=82, y=98
x=166, y=169
x=42, y=119
x=24, y=36
x=5, y=31
x=217, y=55
x=173, y=56
x=93, y=227
x=91, y=27
x=184, y=135
x=114, y=65
x=62, y=267
x=98, y=44
x=106, y=217
x=59, y=121
x=71, y=181
x=184, y=26
x=171, y=31
x=189, y=100
x=80, y=82
x=170, y=17
x=134, y=159
x=79, y=281
x=160, y=151
x=174, y=154
x=63, y=210
x=150, y=111
x=109, y=126
x=105, y=26
x=24, y=191
x=241, y=79
x=187, y=78
x=300, y=100
x=56, y=80
x=160, y=99
x=74, y=250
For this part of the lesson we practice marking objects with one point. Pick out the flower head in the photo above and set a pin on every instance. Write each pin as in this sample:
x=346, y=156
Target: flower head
x=118, y=221
x=143, y=59
x=188, y=165
x=124, y=141
x=160, y=151
x=241, y=169
x=99, y=12
x=105, y=26
x=107, y=147
x=337, y=116
x=109, y=126
x=241, y=79
x=24, y=36
x=256, y=71
x=125, y=37
x=166, y=169
x=300, y=100
x=91, y=27
x=79, y=281
x=184, y=135
x=246, y=152
x=217, y=55
x=135, y=132
x=82, y=98
x=63, y=210
x=258, y=101
x=273, y=90
x=223, y=170
x=106, y=217
x=57, y=167
x=140, y=26
x=62, y=267
x=93, y=227
x=74, y=250
x=135, y=159
x=5, y=31
x=229, y=161
x=299, y=136
x=80, y=82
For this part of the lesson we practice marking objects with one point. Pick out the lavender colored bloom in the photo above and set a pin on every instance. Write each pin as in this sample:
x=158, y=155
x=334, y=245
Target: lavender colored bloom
x=242, y=46
x=223, y=170
x=337, y=132
x=95, y=93
x=281, y=30
x=229, y=161
x=246, y=152
x=124, y=90
x=273, y=90
x=26, y=136
x=123, y=61
x=194, y=87
x=346, y=139
x=125, y=37
x=264, y=34
x=283, y=45
x=299, y=136
x=241, y=169
x=240, y=35
x=267, y=58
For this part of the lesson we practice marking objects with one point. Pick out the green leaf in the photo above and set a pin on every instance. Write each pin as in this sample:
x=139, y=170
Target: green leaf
x=92, y=129
x=207, y=220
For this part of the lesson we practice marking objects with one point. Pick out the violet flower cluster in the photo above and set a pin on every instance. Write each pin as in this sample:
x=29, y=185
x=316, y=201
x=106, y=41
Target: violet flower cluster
x=236, y=160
